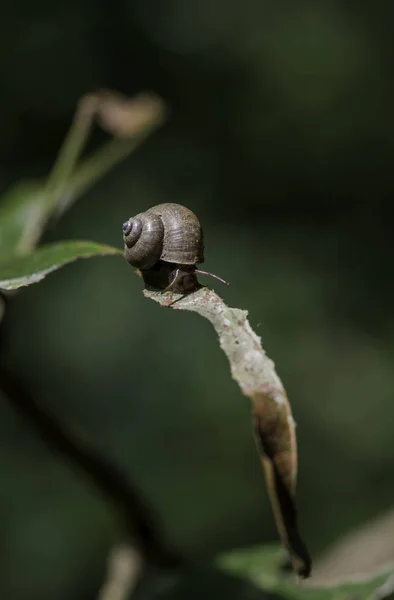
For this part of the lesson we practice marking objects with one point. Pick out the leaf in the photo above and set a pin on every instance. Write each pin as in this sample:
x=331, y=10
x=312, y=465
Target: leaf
x=25, y=270
x=363, y=549
x=23, y=211
x=273, y=421
x=261, y=565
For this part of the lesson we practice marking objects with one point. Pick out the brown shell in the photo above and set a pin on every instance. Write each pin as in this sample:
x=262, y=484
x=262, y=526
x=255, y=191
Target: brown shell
x=144, y=243
x=183, y=236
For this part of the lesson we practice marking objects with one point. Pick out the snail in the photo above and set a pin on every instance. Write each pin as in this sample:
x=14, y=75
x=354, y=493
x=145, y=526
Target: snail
x=166, y=244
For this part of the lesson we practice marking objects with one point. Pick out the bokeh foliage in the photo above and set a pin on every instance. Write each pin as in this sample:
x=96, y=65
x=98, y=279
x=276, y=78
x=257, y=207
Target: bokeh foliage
x=281, y=139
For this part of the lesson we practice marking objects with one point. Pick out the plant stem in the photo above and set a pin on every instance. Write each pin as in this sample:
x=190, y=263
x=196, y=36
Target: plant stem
x=97, y=165
x=139, y=524
x=69, y=153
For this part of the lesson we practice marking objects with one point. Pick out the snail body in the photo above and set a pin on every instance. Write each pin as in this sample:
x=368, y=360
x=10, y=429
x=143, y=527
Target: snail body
x=166, y=241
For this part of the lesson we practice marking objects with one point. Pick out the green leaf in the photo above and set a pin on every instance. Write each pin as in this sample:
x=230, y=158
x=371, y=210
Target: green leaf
x=261, y=565
x=23, y=213
x=25, y=270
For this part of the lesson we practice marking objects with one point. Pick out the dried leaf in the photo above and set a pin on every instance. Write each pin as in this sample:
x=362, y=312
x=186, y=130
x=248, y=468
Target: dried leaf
x=274, y=425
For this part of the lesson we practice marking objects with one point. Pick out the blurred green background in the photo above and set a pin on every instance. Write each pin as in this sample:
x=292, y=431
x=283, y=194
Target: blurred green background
x=281, y=139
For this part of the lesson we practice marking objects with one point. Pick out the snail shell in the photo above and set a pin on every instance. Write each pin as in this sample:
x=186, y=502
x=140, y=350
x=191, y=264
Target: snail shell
x=168, y=232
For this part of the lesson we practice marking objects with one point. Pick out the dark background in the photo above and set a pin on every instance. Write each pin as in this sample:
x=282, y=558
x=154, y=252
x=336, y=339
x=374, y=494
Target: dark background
x=281, y=139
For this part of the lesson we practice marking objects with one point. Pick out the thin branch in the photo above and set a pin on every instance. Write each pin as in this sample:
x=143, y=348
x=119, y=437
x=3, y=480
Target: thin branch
x=274, y=425
x=97, y=165
x=71, y=149
x=137, y=519
x=128, y=120
x=123, y=573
